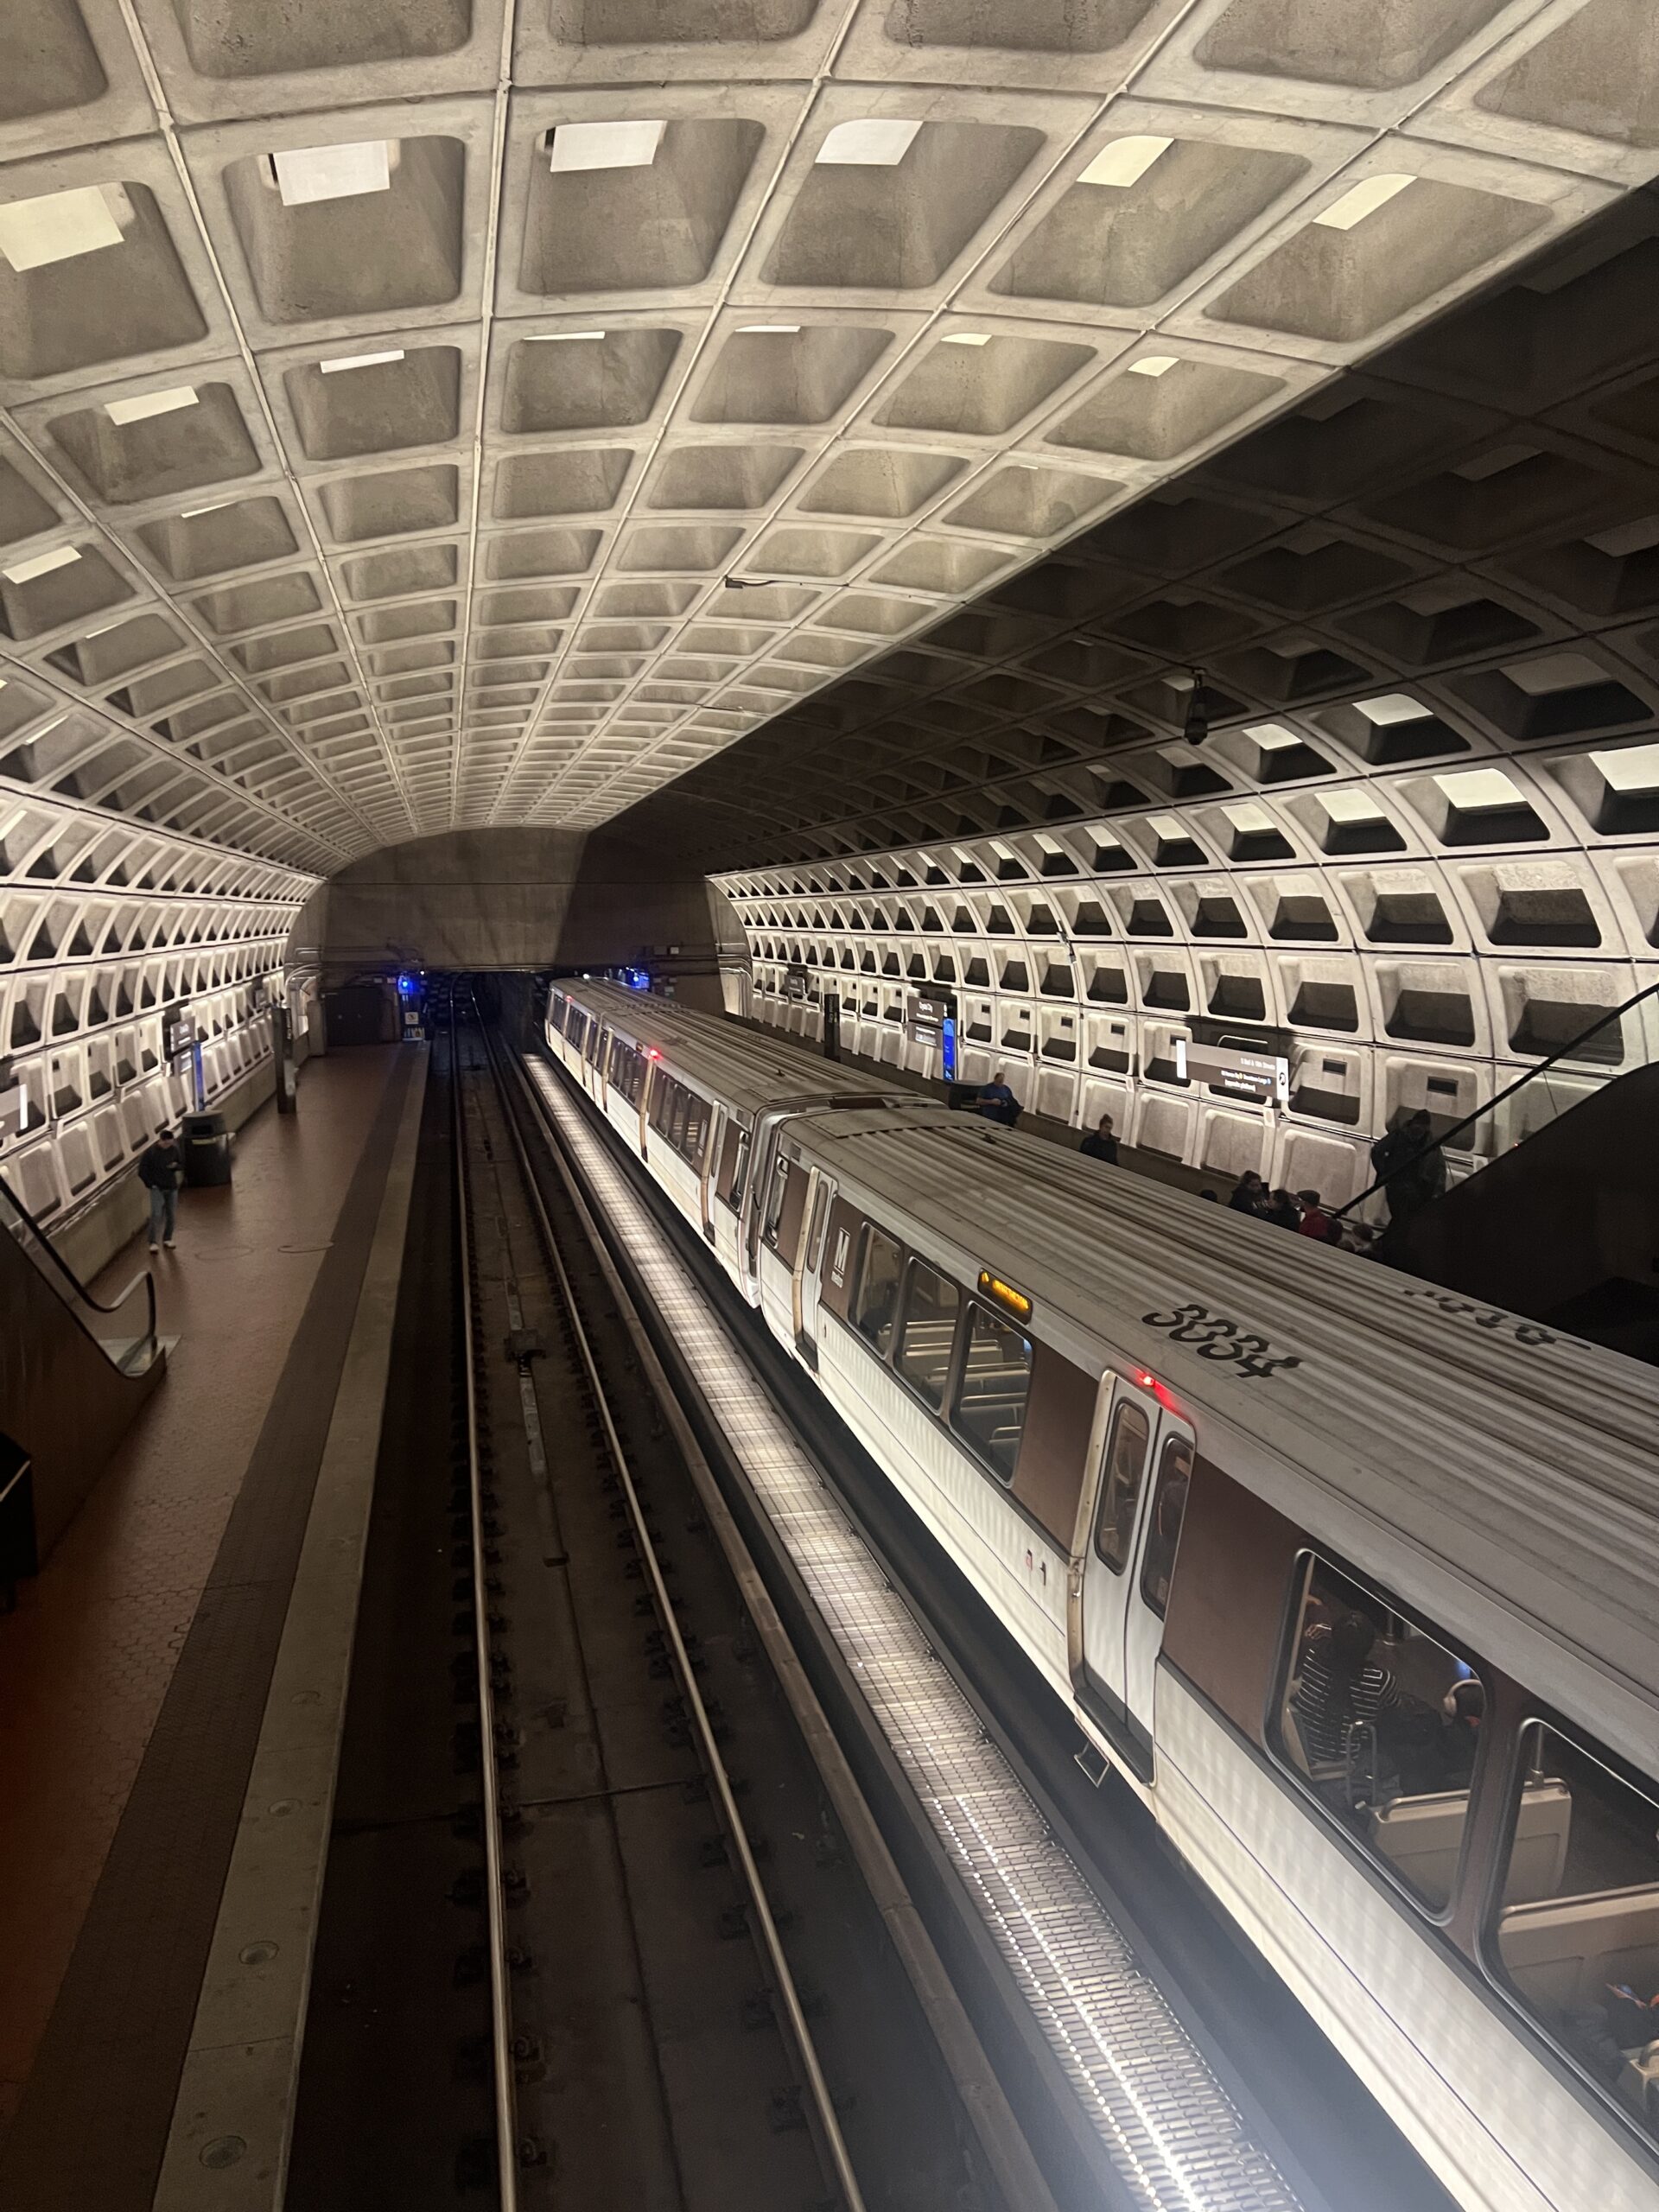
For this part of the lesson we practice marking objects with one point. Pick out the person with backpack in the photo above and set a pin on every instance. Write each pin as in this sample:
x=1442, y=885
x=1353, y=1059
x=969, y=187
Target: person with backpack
x=160, y=1170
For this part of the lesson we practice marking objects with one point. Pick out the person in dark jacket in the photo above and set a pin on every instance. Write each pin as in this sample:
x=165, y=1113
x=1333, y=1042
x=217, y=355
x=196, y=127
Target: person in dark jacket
x=997, y=1102
x=161, y=1171
x=1249, y=1193
x=1283, y=1210
x=1602, y=2032
x=1102, y=1145
x=1411, y=1165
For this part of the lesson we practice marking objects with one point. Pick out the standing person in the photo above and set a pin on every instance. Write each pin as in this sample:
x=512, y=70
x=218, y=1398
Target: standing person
x=1249, y=1193
x=160, y=1170
x=1411, y=1165
x=1315, y=1222
x=1102, y=1145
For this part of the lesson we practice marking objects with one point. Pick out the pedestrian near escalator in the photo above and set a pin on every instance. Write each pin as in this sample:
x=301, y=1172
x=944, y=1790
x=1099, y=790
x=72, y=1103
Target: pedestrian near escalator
x=1102, y=1145
x=161, y=1171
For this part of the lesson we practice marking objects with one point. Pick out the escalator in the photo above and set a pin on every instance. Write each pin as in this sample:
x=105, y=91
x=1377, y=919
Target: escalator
x=1564, y=1228
x=74, y=1371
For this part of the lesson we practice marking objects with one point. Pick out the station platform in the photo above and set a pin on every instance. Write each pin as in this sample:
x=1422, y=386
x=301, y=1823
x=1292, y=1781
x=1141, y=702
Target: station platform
x=136, y=1673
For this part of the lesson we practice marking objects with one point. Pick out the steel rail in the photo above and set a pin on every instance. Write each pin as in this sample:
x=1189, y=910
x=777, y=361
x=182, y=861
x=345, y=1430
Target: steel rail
x=832, y=2141
x=501, y=2049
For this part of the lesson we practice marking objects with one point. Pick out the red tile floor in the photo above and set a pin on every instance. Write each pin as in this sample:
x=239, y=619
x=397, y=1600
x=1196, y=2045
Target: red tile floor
x=86, y=1660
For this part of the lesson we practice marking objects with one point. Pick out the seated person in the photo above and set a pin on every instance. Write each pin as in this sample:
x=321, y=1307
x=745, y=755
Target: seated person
x=1602, y=2033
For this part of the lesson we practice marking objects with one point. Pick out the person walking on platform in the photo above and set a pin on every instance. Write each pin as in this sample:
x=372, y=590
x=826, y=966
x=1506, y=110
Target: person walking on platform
x=1102, y=1145
x=161, y=1171
x=997, y=1102
x=1249, y=1193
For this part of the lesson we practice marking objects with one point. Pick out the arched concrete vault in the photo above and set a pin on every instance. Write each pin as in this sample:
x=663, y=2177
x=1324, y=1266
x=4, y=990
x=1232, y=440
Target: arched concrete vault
x=390, y=394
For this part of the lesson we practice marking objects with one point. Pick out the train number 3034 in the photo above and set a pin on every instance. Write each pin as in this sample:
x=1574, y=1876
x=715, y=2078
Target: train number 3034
x=1213, y=1336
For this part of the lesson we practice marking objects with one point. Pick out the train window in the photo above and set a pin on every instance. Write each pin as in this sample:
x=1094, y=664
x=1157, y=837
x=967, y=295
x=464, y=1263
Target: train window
x=741, y=1173
x=1120, y=1486
x=930, y=1331
x=991, y=1406
x=1383, y=1720
x=775, y=1201
x=1577, y=1939
x=877, y=1297
x=1164, y=1526
x=694, y=1141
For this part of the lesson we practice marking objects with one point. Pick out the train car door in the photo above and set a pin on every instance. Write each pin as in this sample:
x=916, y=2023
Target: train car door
x=807, y=1266
x=1115, y=1630
x=713, y=1137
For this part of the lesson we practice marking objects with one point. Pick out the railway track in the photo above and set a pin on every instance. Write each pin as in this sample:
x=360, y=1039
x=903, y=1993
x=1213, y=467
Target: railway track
x=629, y=1957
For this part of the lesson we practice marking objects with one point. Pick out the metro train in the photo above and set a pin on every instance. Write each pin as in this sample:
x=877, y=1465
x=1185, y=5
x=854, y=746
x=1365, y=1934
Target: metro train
x=1352, y=1579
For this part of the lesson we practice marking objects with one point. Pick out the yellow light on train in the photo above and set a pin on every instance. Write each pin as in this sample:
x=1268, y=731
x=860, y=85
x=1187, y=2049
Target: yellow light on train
x=1005, y=1294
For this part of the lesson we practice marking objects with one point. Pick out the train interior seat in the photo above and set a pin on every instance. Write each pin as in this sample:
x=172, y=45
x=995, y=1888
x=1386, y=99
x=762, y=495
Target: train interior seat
x=1563, y=1951
x=1422, y=1837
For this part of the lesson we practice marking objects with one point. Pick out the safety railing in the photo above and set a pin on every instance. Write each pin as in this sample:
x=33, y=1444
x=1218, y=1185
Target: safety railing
x=1572, y=1050
x=125, y=1331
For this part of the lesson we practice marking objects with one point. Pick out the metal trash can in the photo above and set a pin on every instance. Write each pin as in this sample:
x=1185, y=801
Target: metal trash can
x=206, y=1143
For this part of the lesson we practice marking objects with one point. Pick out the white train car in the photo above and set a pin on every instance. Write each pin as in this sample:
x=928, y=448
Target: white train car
x=1352, y=1579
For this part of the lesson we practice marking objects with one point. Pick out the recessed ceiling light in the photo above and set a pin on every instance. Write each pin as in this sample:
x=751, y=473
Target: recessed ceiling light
x=1153, y=364
x=605, y=145
x=1363, y=200
x=1351, y=804
x=150, y=403
x=213, y=507
x=308, y=174
x=966, y=338
x=768, y=329
x=872, y=142
x=1494, y=461
x=559, y=337
x=1632, y=768
x=61, y=225
x=1125, y=161
x=42, y=565
x=1478, y=787
x=1392, y=706
x=360, y=361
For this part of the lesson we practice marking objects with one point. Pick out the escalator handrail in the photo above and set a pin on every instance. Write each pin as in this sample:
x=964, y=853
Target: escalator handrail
x=1530, y=1075
x=82, y=1294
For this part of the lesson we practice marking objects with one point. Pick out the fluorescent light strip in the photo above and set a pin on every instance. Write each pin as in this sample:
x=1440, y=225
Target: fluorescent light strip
x=59, y=225
x=360, y=361
x=122, y=411
x=213, y=507
x=41, y=565
x=872, y=142
x=605, y=146
x=559, y=337
x=1363, y=199
x=1125, y=161
x=306, y=174
x=768, y=329
x=966, y=338
x=1155, y=365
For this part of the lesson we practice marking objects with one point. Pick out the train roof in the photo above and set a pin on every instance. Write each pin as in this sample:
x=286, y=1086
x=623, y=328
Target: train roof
x=1500, y=1477
x=748, y=1069
x=1430, y=1434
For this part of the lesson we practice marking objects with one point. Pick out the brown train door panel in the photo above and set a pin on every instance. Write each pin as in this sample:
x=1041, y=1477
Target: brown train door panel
x=1054, y=1446
x=1227, y=1601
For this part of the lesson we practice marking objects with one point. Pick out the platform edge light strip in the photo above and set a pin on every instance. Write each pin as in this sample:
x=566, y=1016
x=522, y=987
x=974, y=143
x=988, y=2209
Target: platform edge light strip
x=819, y=1540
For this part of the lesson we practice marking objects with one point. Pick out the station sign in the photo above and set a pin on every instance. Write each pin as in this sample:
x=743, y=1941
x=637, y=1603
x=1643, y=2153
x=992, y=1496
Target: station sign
x=1263, y=1078
x=181, y=1042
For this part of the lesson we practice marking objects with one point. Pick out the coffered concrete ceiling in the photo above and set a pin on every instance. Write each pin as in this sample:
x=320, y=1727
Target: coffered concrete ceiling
x=423, y=413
